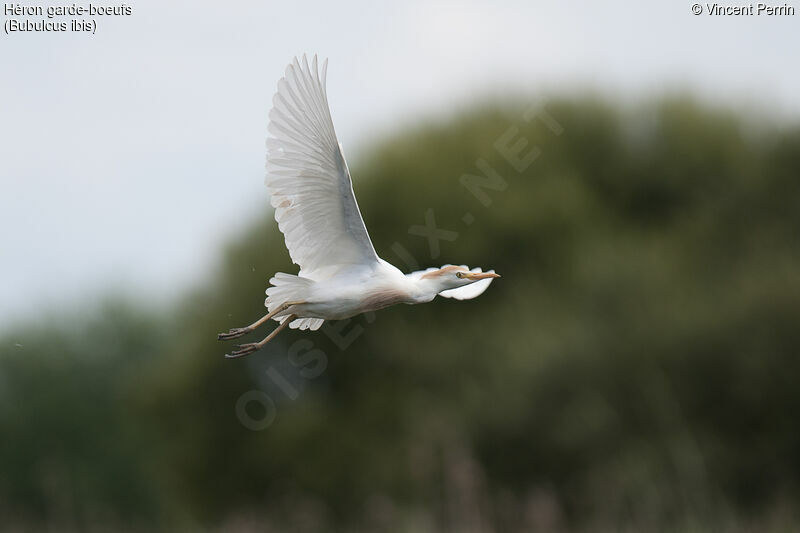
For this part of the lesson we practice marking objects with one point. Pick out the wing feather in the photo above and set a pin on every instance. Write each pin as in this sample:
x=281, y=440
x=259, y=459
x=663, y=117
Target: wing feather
x=308, y=179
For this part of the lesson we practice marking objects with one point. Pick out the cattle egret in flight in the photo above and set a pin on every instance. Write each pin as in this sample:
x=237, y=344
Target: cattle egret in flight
x=315, y=207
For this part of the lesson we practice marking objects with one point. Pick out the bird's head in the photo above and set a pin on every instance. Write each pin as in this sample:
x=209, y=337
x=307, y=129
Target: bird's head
x=453, y=276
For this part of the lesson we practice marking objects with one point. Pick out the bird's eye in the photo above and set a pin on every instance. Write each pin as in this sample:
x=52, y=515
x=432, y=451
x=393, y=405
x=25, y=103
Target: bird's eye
x=459, y=275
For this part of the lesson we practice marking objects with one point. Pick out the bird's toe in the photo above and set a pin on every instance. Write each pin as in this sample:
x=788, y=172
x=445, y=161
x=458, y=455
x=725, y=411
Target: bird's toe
x=234, y=333
x=243, y=349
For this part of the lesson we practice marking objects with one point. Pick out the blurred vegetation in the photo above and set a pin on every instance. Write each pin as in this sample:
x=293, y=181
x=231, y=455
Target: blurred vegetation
x=636, y=368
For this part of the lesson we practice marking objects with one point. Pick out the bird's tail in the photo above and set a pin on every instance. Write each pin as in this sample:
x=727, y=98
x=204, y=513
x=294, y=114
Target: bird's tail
x=290, y=288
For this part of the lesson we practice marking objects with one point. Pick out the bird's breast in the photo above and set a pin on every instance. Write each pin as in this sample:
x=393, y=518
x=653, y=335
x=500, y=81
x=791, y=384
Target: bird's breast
x=383, y=297
x=337, y=300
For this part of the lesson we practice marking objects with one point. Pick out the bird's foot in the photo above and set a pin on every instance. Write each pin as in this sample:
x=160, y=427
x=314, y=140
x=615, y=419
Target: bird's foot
x=245, y=349
x=234, y=333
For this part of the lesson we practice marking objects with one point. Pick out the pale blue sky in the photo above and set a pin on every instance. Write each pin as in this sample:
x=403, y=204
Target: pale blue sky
x=129, y=156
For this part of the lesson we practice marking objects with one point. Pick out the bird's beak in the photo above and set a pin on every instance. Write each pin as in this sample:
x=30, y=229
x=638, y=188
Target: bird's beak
x=475, y=276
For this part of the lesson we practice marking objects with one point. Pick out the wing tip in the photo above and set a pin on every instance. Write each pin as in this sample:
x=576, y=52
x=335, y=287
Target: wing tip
x=301, y=63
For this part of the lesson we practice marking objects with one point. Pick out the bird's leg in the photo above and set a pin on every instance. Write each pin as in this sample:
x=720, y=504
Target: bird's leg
x=235, y=333
x=247, y=349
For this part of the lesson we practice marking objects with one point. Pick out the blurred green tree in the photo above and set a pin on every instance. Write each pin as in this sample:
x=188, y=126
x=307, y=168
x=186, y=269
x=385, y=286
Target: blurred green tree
x=634, y=368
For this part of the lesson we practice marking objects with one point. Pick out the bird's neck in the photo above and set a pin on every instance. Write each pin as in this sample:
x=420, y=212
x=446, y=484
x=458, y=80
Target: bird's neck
x=424, y=290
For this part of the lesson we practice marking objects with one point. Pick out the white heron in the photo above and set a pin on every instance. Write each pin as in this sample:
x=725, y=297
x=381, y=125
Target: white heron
x=340, y=274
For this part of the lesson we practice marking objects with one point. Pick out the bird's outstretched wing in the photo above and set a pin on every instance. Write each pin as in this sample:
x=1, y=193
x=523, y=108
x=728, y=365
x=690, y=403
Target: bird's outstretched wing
x=467, y=292
x=307, y=176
